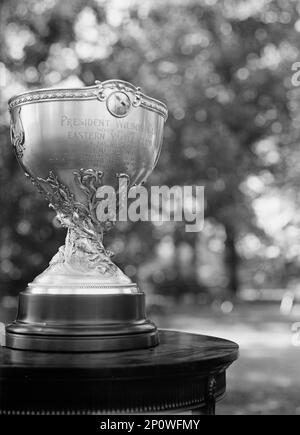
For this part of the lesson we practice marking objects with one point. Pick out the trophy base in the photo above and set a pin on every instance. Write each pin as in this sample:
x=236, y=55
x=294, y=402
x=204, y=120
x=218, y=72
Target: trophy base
x=81, y=323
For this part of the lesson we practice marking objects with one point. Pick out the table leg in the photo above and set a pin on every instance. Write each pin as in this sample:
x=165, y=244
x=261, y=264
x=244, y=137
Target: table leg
x=210, y=400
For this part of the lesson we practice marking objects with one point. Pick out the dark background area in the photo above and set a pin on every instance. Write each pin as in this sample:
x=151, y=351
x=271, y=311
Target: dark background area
x=224, y=69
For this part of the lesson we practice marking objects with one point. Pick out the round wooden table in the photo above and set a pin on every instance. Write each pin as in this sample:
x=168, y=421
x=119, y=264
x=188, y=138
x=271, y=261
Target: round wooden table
x=185, y=372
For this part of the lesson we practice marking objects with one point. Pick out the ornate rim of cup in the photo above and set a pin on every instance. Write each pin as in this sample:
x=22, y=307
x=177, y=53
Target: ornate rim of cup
x=96, y=91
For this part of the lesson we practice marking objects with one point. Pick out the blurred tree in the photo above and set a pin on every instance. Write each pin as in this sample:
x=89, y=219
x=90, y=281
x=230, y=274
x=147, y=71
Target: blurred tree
x=223, y=68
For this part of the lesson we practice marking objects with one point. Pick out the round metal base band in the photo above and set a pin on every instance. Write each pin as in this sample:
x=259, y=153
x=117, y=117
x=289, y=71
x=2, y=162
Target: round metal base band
x=101, y=343
x=81, y=323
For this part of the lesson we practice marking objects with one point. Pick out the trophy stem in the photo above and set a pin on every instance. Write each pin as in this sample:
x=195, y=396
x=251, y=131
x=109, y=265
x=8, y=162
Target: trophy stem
x=87, y=252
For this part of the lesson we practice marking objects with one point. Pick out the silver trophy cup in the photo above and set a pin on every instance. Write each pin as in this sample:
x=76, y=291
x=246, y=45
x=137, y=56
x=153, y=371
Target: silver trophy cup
x=70, y=143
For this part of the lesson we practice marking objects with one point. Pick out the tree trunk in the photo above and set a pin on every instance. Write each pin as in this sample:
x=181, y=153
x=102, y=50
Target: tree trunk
x=231, y=260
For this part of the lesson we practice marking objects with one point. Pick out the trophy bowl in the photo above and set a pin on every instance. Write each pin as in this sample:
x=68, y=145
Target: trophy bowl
x=70, y=143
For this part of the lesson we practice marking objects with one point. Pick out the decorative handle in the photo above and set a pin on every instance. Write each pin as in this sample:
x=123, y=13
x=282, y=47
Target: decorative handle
x=17, y=139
